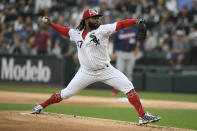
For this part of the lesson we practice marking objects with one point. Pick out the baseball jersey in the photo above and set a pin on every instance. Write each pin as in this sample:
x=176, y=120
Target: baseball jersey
x=125, y=40
x=92, y=50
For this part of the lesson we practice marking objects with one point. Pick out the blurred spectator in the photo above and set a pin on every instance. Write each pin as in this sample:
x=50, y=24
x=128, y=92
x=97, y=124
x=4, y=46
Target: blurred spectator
x=56, y=50
x=182, y=3
x=4, y=30
x=104, y=8
x=29, y=8
x=41, y=40
x=107, y=17
x=43, y=5
x=23, y=32
x=19, y=46
x=2, y=9
x=3, y=46
x=165, y=46
x=18, y=24
x=184, y=19
x=133, y=5
x=121, y=5
x=29, y=21
x=7, y=33
x=76, y=16
x=10, y=10
x=29, y=39
x=21, y=7
x=110, y=3
x=171, y=5
x=153, y=18
x=193, y=42
x=180, y=48
x=160, y=30
x=194, y=5
x=71, y=3
x=145, y=8
x=150, y=43
x=16, y=47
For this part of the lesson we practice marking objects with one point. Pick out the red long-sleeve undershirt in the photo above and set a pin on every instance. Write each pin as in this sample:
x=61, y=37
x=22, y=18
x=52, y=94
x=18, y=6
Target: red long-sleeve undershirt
x=63, y=30
x=125, y=23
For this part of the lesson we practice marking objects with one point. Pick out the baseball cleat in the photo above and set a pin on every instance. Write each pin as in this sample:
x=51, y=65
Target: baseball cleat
x=147, y=118
x=37, y=109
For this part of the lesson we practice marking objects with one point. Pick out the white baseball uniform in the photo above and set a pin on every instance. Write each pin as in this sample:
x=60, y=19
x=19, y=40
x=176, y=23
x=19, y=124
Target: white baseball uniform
x=95, y=62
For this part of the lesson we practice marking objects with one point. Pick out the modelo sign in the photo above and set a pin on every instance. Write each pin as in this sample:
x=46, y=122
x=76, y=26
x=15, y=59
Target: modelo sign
x=26, y=72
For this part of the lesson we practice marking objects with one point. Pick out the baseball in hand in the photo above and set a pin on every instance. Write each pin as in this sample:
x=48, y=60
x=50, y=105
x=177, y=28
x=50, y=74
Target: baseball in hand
x=45, y=20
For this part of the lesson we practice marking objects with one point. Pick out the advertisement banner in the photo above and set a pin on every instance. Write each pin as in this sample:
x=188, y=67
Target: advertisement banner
x=31, y=69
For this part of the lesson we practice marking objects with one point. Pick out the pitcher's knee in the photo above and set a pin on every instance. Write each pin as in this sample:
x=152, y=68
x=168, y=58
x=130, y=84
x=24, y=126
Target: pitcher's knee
x=125, y=90
x=124, y=86
x=65, y=94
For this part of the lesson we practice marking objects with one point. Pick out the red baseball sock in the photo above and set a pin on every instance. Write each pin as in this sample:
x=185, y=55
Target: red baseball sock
x=55, y=98
x=135, y=101
x=115, y=91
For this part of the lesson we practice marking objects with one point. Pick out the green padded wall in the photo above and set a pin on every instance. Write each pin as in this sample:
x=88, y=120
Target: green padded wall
x=158, y=82
x=185, y=83
x=138, y=80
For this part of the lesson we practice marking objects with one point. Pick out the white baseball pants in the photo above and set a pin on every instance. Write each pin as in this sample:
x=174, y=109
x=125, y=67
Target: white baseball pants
x=108, y=75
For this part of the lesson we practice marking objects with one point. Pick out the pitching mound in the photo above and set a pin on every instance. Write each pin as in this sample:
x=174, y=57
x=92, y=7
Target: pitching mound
x=24, y=121
x=36, y=98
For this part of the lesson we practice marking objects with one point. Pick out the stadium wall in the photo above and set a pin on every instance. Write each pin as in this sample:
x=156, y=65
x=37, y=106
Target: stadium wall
x=53, y=71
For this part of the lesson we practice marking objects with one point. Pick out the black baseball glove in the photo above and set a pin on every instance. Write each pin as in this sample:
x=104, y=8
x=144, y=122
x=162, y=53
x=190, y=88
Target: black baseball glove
x=141, y=26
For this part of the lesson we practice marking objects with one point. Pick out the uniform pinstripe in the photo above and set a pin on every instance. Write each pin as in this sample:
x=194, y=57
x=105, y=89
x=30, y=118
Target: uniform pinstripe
x=95, y=63
x=94, y=59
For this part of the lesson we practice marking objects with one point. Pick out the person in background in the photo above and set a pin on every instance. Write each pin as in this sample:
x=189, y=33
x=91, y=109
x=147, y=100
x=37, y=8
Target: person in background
x=16, y=48
x=125, y=46
x=18, y=24
x=41, y=40
x=150, y=43
x=180, y=47
x=193, y=42
x=56, y=50
x=3, y=46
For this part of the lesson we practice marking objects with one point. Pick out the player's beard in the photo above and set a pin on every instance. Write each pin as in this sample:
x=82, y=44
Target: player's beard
x=93, y=26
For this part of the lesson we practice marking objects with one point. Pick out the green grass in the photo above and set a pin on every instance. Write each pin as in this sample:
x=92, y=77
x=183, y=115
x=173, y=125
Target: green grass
x=107, y=93
x=145, y=95
x=29, y=89
x=172, y=118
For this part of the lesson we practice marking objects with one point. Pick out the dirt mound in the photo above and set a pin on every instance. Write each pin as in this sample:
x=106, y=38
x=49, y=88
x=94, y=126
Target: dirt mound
x=24, y=121
x=36, y=98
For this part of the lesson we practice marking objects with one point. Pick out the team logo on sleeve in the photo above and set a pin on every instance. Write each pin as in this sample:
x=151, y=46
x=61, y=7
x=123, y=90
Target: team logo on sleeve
x=94, y=39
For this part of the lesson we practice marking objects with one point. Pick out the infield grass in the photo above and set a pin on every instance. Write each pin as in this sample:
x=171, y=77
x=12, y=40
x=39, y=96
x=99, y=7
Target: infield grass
x=107, y=93
x=172, y=118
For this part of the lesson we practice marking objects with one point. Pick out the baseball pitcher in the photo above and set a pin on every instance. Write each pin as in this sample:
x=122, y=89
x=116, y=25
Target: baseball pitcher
x=92, y=39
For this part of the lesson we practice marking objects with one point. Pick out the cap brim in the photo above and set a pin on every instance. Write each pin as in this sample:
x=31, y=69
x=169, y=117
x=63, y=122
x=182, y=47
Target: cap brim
x=99, y=15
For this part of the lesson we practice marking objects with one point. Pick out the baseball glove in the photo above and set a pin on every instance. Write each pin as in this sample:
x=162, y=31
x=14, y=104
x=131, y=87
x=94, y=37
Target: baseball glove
x=141, y=34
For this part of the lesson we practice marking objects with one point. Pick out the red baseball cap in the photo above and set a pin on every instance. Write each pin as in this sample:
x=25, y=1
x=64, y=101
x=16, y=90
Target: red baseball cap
x=90, y=13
